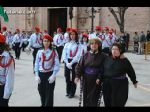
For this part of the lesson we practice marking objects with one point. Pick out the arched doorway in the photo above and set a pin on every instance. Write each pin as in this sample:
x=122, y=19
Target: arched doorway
x=57, y=17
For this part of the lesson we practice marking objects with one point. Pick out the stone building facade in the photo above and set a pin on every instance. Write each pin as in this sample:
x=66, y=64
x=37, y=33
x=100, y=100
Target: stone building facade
x=25, y=18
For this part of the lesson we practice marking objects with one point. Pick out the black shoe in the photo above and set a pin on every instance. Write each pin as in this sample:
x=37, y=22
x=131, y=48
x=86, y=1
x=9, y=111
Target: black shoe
x=67, y=95
x=16, y=58
x=71, y=96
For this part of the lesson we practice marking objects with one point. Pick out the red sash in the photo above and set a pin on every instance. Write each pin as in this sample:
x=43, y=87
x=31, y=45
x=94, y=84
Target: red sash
x=82, y=52
x=101, y=37
x=110, y=40
x=61, y=37
x=110, y=36
x=57, y=41
x=71, y=54
x=50, y=57
x=7, y=64
x=38, y=40
x=18, y=39
x=108, y=43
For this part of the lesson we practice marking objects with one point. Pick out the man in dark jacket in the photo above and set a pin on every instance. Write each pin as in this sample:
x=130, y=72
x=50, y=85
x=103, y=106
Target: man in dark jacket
x=148, y=36
x=127, y=35
x=141, y=41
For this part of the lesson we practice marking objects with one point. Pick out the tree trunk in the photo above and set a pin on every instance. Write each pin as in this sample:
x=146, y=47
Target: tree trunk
x=121, y=28
x=120, y=18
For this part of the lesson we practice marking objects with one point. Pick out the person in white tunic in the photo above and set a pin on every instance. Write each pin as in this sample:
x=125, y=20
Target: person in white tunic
x=84, y=45
x=107, y=41
x=59, y=42
x=46, y=67
x=17, y=42
x=66, y=35
x=71, y=56
x=45, y=32
x=97, y=33
x=35, y=43
x=7, y=68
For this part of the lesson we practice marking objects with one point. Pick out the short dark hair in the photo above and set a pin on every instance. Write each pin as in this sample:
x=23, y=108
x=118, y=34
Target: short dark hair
x=4, y=47
x=98, y=42
x=76, y=37
x=50, y=47
x=119, y=47
x=82, y=39
x=135, y=32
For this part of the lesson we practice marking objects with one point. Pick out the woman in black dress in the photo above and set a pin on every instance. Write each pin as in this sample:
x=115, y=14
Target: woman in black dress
x=89, y=69
x=115, y=81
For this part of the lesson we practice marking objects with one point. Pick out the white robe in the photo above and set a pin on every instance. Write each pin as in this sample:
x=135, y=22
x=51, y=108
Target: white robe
x=9, y=83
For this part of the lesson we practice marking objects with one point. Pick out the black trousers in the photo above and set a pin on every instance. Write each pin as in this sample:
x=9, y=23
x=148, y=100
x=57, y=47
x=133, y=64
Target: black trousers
x=17, y=50
x=34, y=55
x=115, y=92
x=136, y=46
x=46, y=90
x=59, y=50
x=3, y=102
x=127, y=45
x=24, y=46
x=91, y=91
x=70, y=85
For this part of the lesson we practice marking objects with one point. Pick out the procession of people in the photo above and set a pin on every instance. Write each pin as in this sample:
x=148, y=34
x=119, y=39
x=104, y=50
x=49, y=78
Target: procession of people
x=94, y=59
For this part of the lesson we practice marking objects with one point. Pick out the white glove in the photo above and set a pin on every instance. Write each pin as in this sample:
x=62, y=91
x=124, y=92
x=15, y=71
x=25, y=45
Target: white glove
x=51, y=79
x=27, y=49
x=37, y=78
x=69, y=65
x=13, y=44
x=58, y=45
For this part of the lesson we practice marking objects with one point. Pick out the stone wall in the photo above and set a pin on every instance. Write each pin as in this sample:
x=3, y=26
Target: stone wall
x=136, y=18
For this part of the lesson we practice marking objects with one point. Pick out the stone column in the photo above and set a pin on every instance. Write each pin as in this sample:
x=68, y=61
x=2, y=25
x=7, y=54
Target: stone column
x=33, y=16
x=75, y=17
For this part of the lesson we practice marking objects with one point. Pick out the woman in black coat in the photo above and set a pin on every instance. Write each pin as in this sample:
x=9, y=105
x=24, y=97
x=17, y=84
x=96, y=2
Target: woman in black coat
x=89, y=69
x=115, y=81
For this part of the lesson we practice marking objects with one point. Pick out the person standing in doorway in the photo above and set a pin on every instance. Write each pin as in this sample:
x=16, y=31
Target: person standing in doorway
x=59, y=42
x=66, y=35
